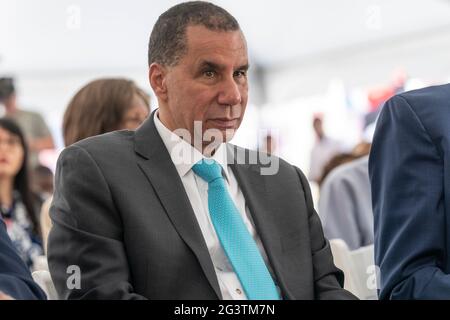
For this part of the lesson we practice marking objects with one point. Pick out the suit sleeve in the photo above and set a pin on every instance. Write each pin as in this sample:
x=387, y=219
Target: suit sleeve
x=328, y=279
x=86, y=254
x=406, y=173
x=15, y=278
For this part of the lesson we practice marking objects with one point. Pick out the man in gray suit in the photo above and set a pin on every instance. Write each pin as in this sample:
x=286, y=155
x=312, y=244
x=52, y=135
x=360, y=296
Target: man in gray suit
x=142, y=215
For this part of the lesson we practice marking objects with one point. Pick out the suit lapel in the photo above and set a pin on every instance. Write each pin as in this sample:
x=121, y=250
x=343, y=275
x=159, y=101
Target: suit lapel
x=162, y=174
x=254, y=189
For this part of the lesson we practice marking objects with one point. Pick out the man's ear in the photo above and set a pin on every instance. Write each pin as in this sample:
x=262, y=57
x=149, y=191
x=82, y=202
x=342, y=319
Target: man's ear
x=157, y=77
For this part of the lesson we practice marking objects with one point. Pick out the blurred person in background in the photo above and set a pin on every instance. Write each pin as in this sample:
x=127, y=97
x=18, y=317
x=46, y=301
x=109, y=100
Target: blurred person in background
x=322, y=152
x=102, y=106
x=345, y=206
x=15, y=278
x=99, y=107
x=18, y=205
x=269, y=144
x=336, y=161
x=42, y=182
x=362, y=149
x=32, y=124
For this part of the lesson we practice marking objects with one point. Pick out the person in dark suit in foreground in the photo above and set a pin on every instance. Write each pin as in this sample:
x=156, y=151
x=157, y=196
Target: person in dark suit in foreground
x=15, y=279
x=410, y=178
x=172, y=210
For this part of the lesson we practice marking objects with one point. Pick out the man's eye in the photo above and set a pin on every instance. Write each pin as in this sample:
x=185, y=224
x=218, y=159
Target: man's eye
x=209, y=74
x=241, y=73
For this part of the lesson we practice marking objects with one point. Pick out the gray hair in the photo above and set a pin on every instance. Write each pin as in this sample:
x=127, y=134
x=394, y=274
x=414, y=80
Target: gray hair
x=168, y=39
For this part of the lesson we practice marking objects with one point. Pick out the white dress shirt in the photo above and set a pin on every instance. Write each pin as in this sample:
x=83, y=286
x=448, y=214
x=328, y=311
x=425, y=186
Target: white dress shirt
x=184, y=156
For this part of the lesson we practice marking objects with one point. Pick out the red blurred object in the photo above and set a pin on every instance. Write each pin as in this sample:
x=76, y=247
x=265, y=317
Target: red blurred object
x=377, y=96
x=399, y=78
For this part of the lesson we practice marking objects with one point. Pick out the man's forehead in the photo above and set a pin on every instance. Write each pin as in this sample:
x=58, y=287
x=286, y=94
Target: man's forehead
x=198, y=37
x=216, y=46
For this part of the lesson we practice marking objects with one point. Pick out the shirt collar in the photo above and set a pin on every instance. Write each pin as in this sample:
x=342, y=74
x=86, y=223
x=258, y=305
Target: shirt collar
x=183, y=154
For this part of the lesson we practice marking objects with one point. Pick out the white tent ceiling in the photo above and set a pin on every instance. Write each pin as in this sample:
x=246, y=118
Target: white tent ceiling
x=49, y=35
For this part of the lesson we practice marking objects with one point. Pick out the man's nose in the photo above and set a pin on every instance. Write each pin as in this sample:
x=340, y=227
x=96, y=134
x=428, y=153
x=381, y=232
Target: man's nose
x=230, y=93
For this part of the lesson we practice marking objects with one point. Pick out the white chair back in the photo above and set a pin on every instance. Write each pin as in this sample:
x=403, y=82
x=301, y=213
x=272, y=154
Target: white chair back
x=358, y=267
x=44, y=280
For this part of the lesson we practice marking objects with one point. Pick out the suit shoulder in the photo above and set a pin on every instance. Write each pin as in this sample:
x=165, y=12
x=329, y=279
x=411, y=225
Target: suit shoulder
x=431, y=106
x=110, y=145
x=436, y=97
x=251, y=155
x=260, y=160
x=108, y=140
x=428, y=92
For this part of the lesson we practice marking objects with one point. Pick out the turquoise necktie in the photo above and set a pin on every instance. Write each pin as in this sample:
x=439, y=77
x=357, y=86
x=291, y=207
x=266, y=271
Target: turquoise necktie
x=234, y=236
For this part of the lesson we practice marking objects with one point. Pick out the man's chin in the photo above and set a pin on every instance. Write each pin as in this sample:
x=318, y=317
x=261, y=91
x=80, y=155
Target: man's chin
x=218, y=134
x=228, y=135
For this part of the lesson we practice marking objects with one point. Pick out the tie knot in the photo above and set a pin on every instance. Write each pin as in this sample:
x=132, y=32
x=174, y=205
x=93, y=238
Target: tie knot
x=208, y=170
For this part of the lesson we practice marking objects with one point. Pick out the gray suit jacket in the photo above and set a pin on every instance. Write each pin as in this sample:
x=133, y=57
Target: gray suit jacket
x=121, y=215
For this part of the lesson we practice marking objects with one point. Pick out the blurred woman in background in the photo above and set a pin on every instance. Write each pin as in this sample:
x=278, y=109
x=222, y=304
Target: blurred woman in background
x=19, y=206
x=102, y=106
x=99, y=107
